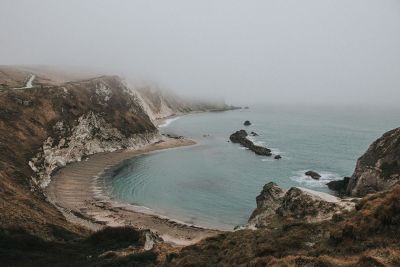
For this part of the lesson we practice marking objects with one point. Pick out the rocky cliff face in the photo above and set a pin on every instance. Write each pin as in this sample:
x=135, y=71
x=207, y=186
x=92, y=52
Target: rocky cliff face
x=379, y=168
x=275, y=205
x=48, y=126
x=160, y=104
x=56, y=122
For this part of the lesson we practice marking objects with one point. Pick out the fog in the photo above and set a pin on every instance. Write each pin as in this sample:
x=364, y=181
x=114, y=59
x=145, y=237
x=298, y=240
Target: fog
x=281, y=51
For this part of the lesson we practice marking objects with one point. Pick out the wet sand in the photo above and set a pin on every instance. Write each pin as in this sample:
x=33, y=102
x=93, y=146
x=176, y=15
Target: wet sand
x=78, y=192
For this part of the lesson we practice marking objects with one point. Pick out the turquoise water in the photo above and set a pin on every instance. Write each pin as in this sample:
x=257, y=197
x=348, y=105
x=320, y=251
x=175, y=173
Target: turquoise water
x=215, y=182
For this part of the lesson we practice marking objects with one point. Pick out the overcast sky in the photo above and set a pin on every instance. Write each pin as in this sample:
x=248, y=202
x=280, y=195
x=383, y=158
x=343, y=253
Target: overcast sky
x=282, y=51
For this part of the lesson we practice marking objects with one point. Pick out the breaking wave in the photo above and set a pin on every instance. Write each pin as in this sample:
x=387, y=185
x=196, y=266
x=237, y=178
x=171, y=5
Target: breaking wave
x=168, y=122
x=307, y=181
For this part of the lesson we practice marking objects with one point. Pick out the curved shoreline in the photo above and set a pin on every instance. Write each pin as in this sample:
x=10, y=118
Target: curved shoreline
x=77, y=192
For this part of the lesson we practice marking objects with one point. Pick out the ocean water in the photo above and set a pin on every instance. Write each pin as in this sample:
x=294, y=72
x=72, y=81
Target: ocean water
x=214, y=183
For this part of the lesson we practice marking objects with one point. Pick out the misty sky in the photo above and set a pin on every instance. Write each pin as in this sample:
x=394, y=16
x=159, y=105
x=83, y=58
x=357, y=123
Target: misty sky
x=302, y=51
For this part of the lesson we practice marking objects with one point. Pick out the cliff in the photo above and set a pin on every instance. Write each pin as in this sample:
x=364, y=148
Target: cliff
x=49, y=126
x=46, y=124
x=379, y=168
x=160, y=103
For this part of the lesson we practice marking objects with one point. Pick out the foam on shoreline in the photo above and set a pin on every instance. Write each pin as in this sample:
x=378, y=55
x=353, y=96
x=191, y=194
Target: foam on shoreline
x=167, y=122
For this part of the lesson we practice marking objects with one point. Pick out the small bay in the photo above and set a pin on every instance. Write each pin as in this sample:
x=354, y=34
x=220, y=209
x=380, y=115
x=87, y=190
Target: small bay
x=214, y=183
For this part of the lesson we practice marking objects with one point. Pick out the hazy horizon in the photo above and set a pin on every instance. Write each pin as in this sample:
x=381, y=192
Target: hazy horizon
x=295, y=52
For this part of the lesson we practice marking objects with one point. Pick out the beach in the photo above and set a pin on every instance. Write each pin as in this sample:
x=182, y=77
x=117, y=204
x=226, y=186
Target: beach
x=78, y=193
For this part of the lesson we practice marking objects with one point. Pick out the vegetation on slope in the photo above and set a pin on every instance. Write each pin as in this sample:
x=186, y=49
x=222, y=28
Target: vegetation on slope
x=27, y=119
x=367, y=236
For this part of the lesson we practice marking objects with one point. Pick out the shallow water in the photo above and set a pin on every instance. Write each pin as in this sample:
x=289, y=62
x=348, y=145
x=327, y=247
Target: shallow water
x=215, y=182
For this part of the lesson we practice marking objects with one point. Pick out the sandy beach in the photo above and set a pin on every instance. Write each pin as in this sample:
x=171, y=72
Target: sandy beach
x=78, y=192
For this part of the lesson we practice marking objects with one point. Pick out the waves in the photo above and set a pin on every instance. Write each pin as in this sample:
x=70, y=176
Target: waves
x=307, y=181
x=256, y=142
x=168, y=122
x=274, y=150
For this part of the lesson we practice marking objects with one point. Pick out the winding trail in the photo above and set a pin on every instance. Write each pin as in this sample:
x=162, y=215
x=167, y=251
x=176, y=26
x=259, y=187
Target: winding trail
x=29, y=83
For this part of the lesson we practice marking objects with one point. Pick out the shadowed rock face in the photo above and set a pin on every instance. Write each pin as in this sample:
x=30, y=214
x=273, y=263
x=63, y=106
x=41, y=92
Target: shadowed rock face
x=339, y=186
x=241, y=138
x=379, y=168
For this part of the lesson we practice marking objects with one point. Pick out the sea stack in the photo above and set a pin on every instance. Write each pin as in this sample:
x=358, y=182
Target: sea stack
x=241, y=138
x=247, y=123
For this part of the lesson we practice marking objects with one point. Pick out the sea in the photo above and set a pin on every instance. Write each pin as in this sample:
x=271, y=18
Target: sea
x=215, y=182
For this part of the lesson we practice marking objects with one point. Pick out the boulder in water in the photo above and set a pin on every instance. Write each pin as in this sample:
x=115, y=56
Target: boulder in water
x=313, y=175
x=278, y=157
x=241, y=138
x=247, y=123
x=254, y=134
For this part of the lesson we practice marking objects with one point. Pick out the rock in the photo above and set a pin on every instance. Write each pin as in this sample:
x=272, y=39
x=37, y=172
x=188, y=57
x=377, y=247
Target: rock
x=241, y=138
x=269, y=195
x=339, y=186
x=268, y=200
x=379, y=168
x=254, y=134
x=260, y=150
x=275, y=205
x=300, y=204
x=278, y=157
x=247, y=123
x=238, y=136
x=313, y=175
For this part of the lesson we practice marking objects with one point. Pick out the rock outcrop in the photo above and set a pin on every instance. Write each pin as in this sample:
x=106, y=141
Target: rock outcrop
x=275, y=205
x=268, y=201
x=241, y=138
x=313, y=175
x=379, y=168
x=339, y=186
x=247, y=123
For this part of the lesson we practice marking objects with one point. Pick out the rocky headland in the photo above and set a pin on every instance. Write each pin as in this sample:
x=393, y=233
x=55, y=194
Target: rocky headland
x=376, y=170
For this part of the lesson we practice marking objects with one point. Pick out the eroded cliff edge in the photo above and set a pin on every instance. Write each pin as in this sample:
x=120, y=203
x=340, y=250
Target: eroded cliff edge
x=53, y=123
